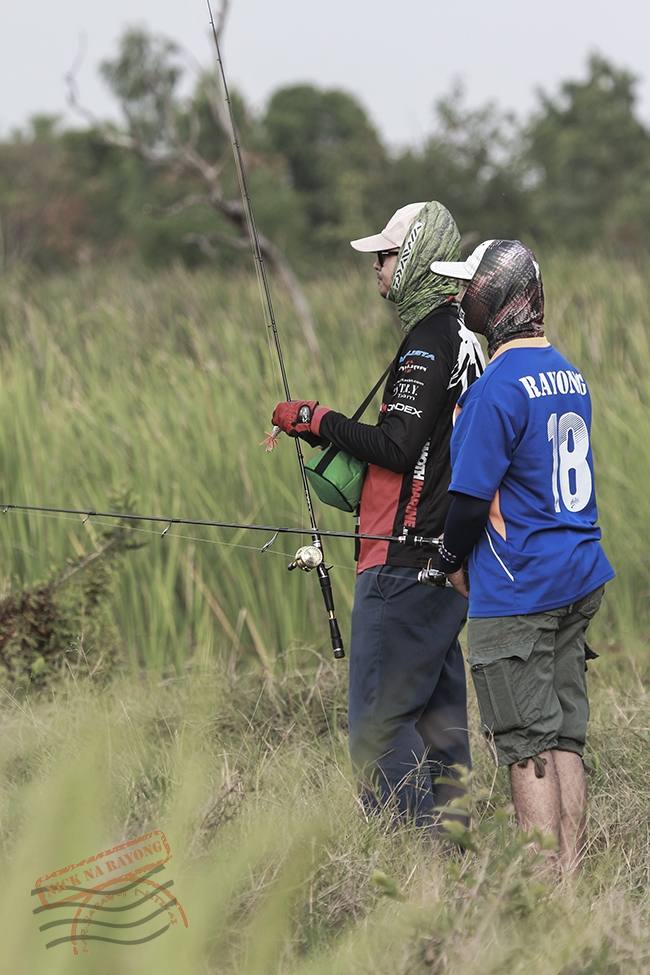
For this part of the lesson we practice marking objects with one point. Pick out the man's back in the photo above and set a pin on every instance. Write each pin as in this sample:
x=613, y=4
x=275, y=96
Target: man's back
x=524, y=506
x=522, y=438
x=408, y=451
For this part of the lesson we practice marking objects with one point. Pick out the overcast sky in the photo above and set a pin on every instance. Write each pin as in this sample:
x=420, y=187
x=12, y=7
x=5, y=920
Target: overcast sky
x=397, y=57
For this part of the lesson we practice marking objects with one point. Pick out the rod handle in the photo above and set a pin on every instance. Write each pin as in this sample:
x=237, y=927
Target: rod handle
x=335, y=633
x=337, y=640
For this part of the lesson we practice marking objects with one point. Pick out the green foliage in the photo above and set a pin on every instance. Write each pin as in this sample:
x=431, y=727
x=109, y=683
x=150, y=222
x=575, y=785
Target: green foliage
x=272, y=860
x=143, y=77
x=166, y=384
x=65, y=624
x=211, y=140
x=523, y=886
x=470, y=164
x=576, y=172
x=40, y=214
x=589, y=156
x=334, y=158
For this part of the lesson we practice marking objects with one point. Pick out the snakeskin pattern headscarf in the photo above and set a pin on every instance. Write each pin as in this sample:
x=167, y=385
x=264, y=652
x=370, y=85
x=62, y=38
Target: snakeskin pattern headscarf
x=432, y=236
x=505, y=298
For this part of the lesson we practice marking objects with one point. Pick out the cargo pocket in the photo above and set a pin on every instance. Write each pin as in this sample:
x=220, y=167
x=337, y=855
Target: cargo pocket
x=589, y=605
x=505, y=686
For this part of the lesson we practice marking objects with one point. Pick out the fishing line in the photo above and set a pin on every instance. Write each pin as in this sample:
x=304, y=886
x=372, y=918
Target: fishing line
x=152, y=531
x=426, y=575
x=417, y=541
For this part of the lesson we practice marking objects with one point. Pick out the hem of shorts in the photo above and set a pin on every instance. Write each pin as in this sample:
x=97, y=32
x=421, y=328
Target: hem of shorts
x=542, y=607
x=525, y=752
x=570, y=745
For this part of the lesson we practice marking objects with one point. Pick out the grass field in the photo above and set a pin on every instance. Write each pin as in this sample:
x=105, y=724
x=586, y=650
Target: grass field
x=224, y=726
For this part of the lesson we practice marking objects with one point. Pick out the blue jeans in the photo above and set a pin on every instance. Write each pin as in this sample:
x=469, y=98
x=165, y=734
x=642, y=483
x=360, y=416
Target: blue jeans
x=407, y=698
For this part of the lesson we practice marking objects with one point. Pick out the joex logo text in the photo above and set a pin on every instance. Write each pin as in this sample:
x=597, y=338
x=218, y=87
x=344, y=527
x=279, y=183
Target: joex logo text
x=405, y=408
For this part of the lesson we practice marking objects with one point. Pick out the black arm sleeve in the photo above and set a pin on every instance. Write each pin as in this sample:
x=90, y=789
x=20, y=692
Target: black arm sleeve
x=466, y=519
x=416, y=394
x=369, y=443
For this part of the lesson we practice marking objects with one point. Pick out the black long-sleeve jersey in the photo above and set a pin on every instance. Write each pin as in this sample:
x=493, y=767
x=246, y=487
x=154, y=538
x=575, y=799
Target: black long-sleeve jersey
x=408, y=449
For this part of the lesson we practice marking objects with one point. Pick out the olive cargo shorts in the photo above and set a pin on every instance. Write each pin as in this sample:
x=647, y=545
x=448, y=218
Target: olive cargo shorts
x=529, y=677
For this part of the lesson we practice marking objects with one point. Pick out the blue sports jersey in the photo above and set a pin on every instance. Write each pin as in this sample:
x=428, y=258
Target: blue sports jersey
x=522, y=440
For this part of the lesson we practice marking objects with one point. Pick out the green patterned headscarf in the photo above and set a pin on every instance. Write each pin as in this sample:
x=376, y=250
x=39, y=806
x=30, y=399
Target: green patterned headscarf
x=415, y=289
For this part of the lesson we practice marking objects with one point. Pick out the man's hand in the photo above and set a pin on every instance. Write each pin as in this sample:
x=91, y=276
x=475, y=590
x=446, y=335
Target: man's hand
x=459, y=582
x=295, y=417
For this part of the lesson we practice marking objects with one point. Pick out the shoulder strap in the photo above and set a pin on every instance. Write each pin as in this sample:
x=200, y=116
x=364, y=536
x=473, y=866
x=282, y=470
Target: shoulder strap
x=366, y=403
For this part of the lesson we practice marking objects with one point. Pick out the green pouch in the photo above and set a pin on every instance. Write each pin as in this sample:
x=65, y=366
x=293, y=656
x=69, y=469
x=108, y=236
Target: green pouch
x=336, y=476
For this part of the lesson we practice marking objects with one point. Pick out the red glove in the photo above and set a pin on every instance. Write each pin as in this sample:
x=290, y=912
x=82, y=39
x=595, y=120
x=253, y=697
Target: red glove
x=299, y=416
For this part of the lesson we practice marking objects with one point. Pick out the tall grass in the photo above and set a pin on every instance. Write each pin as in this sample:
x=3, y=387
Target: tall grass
x=165, y=386
x=272, y=860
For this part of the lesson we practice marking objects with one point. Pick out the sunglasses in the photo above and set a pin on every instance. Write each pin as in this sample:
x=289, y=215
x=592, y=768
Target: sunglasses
x=382, y=255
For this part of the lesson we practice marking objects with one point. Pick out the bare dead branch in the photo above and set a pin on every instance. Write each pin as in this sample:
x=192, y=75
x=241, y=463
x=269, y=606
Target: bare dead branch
x=219, y=108
x=79, y=59
x=194, y=128
x=285, y=272
x=193, y=200
x=206, y=243
x=83, y=563
x=276, y=260
x=183, y=156
x=72, y=94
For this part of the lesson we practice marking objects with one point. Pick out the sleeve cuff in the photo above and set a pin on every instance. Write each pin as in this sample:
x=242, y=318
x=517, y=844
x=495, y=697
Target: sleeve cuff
x=472, y=492
x=447, y=561
x=317, y=418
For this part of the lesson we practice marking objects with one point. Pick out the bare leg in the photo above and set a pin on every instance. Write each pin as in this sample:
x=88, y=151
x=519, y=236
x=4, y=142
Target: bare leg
x=536, y=795
x=573, y=808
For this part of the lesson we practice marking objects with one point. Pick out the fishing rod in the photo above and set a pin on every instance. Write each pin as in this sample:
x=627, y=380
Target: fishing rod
x=419, y=541
x=265, y=291
x=307, y=557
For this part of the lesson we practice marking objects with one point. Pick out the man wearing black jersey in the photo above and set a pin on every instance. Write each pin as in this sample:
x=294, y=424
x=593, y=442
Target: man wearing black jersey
x=407, y=698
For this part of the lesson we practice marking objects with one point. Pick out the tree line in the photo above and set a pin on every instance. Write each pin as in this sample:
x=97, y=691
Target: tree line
x=160, y=185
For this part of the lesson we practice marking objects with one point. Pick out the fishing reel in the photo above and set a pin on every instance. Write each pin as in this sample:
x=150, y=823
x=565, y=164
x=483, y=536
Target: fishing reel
x=436, y=578
x=433, y=577
x=307, y=557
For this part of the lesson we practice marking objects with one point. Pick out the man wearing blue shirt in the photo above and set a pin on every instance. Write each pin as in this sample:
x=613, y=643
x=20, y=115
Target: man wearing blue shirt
x=524, y=511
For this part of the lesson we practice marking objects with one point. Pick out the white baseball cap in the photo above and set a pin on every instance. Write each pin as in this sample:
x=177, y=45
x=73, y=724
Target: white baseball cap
x=464, y=270
x=393, y=235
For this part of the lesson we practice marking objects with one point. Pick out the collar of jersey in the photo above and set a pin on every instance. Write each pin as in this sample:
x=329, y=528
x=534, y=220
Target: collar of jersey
x=533, y=343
